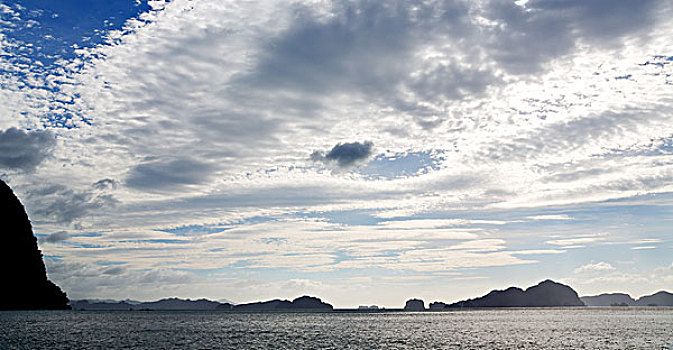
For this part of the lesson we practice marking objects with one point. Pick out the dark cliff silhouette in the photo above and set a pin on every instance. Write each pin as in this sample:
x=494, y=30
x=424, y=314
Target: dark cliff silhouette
x=414, y=305
x=25, y=285
x=609, y=299
x=545, y=294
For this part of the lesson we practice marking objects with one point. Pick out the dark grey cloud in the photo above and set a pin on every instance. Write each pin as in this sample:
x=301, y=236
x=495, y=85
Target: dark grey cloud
x=116, y=270
x=345, y=154
x=60, y=204
x=166, y=174
x=55, y=237
x=24, y=150
x=604, y=20
x=364, y=45
x=527, y=37
x=370, y=48
x=105, y=184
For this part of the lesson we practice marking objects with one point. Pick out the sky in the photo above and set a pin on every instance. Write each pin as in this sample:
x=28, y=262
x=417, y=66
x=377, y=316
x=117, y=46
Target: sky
x=365, y=152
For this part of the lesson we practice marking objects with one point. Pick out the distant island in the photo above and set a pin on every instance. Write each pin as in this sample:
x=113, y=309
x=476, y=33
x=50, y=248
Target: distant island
x=173, y=304
x=301, y=304
x=662, y=298
x=545, y=294
x=304, y=303
x=414, y=305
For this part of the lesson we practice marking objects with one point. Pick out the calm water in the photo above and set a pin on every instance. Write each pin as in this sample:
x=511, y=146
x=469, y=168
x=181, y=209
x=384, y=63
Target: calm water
x=610, y=328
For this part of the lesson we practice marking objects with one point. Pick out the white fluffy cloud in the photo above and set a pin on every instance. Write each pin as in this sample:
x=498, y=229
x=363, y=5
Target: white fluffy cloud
x=601, y=266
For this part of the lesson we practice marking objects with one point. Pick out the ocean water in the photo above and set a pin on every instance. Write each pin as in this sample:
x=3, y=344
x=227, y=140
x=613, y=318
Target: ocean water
x=574, y=328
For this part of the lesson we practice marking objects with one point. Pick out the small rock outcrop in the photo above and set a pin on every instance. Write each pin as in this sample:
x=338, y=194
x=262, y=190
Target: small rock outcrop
x=414, y=305
x=25, y=285
x=545, y=294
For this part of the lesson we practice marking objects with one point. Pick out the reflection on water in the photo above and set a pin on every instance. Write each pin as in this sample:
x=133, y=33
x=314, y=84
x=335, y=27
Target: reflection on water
x=590, y=328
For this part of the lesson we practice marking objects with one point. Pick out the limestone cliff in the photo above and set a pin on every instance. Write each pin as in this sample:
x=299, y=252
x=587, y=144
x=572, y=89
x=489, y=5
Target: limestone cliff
x=25, y=285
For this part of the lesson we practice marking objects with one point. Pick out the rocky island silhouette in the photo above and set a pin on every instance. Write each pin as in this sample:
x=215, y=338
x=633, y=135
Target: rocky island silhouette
x=545, y=294
x=661, y=298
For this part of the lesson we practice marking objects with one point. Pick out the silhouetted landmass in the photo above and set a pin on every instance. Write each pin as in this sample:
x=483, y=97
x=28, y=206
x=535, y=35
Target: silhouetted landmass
x=225, y=307
x=100, y=305
x=662, y=298
x=179, y=304
x=305, y=303
x=173, y=304
x=609, y=299
x=414, y=305
x=25, y=285
x=545, y=294
x=271, y=305
x=438, y=305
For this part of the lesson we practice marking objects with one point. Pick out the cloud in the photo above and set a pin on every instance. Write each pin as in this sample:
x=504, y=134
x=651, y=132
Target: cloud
x=345, y=51
x=345, y=154
x=25, y=150
x=105, y=184
x=638, y=282
x=168, y=174
x=550, y=217
x=575, y=241
x=55, y=237
x=523, y=39
x=504, y=105
x=117, y=270
x=60, y=204
x=594, y=267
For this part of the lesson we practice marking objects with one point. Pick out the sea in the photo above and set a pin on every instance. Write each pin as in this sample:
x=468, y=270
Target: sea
x=534, y=328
